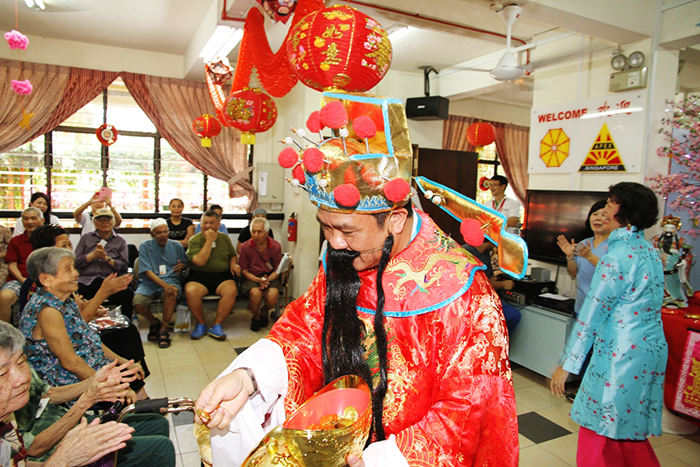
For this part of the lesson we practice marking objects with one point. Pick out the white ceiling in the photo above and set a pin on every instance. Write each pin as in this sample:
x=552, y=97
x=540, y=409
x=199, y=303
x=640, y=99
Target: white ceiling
x=170, y=26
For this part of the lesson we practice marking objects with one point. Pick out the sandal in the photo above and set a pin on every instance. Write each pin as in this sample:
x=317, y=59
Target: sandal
x=153, y=332
x=163, y=340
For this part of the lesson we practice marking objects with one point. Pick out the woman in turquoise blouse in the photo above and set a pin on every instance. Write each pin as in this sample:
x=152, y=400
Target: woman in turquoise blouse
x=620, y=400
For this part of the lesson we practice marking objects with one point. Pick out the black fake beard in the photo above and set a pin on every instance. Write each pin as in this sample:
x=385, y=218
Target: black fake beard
x=343, y=352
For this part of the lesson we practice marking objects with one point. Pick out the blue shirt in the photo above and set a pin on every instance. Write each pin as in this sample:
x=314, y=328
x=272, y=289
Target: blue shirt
x=585, y=270
x=621, y=395
x=222, y=228
x=151, y=257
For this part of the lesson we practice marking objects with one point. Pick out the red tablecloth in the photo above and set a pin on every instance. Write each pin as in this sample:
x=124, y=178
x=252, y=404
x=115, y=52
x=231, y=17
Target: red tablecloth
x=676, y=331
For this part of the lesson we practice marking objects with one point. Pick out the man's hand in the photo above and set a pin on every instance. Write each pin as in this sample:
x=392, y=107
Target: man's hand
x=210, y=235
x=170, y=290
x=100, y=252
x=85, y=443
x=107, y=200
x=222, y=399
x=264, y=283
x=354, y=461
x=177, y=269
x=508, y=284
x=236, y=270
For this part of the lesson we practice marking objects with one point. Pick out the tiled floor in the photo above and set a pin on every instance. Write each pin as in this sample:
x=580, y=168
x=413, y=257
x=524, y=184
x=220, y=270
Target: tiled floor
x=547, y=435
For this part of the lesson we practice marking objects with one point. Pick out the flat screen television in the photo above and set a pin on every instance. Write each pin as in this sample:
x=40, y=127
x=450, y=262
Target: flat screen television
x=551, y=213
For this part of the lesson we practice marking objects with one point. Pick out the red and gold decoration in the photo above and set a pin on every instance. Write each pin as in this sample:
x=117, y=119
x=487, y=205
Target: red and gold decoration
x=512, y=250
x=251, y=111
x=360, y=168
x=333, y=423
x=339, y=48
x=484, y=183
x=107, y=134
x=279, y=10
x=481, y=134
x=272, y=68
x=207, y=127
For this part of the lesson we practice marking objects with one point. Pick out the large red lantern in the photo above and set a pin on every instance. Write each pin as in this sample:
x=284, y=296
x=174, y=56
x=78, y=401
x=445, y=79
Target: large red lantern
x=251, y=111
x=481, y=134
x=339, y=47
x=206, y=126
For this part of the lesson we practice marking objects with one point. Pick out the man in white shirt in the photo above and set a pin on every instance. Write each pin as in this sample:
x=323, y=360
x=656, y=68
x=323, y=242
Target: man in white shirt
x=501, y=203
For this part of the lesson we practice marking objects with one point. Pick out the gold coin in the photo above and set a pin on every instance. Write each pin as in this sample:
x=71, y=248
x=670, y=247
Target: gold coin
x=204, y=416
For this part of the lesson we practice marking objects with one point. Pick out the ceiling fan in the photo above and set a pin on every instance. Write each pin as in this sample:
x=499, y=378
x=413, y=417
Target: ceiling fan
x=508, y=67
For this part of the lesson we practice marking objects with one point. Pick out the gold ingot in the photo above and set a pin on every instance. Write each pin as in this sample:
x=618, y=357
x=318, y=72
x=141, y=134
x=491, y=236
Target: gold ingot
x=345, y=405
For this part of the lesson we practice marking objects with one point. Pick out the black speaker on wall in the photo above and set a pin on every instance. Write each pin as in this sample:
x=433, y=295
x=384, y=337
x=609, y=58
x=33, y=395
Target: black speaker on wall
x=427, y=108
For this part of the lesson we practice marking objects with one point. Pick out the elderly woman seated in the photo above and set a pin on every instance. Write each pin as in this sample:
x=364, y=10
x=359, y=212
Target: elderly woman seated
x=35, y=433
x=60, y=345
x=124, y=341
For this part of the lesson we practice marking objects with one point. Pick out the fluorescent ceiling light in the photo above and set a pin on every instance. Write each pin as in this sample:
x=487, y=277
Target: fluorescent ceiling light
x=612, y=112
x=35, y=4
x=221, y=43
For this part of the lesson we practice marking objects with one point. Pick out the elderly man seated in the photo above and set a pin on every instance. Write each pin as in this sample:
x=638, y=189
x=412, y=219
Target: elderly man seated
x=161, y=261
x=99, y=254
x=37, y=428
x=213, y=270
x=18, y=250
x=260, y=257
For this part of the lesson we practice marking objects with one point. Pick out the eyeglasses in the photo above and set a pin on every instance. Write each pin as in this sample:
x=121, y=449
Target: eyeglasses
x=103, y=219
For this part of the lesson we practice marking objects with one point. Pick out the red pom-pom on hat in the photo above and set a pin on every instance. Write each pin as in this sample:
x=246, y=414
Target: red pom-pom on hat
x=313, y=123
x=471, y=231
x=298, y=174
x=333, y=115
x=346, y=195
x=312, y=159
x=364, y=127
x=397, y=190
x=287, y=158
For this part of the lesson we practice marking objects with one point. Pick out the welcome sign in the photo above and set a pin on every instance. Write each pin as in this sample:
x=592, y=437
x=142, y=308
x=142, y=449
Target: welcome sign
x=594, y=135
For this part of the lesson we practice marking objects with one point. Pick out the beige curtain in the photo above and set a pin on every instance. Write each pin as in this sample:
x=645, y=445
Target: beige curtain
x=49, y=83
x=172, y=105
x=58, y=92
x=454, y=133
x=512, y=146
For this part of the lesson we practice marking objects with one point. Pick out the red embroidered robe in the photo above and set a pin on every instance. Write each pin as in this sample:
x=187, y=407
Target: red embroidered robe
x=450, y=399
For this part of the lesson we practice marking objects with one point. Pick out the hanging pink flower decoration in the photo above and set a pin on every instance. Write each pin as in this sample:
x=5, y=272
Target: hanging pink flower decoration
x=22, y=87
x=16, y=40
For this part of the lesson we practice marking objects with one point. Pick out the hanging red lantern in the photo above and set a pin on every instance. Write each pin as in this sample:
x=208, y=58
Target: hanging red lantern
x=107, y=134
x=484, y=183
x=251, y=111
x=206, y=126
x=339, y=47
x=481, y=134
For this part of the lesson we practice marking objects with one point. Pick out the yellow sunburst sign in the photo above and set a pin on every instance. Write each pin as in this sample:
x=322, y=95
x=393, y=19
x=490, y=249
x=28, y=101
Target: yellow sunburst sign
x=554, y=147
x=603, y=156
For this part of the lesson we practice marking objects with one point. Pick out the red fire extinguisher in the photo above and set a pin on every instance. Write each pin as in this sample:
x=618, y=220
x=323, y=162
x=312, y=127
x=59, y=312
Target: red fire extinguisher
x=292, y=228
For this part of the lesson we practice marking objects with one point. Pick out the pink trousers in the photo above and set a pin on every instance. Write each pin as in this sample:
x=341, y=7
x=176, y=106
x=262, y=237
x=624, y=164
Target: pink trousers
x=595, y=450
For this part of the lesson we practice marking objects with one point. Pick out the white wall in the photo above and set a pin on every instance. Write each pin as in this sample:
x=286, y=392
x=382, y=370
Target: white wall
x=492, y=111
x=587, y=76
x=98, y=57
